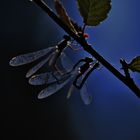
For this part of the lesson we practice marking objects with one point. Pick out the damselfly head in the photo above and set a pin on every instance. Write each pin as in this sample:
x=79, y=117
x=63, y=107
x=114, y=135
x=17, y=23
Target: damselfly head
x=95, y=65
x=89, y=59
x=66, y=37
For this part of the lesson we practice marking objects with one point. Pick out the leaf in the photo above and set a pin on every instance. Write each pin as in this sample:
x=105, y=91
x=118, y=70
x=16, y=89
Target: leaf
x=134, y=65
x=63, y=15
x=94, y=11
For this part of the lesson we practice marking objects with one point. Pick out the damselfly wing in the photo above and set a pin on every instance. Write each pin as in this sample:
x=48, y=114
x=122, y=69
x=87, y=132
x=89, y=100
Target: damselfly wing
x=53, y=88
x=52, y=54
x=81, y=73
x=29, y=57
x=48, y=78
x=38, y=66
x=85, y=95
x=57, y=82
x=54, y=82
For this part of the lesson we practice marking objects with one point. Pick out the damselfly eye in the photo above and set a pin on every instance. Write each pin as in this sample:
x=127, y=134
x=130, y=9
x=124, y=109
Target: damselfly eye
x=66, y=37
x=68, y=43
x=79, y=70
x=89, y=59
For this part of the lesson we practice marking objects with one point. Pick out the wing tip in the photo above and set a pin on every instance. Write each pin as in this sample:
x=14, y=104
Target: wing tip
x=31, y=80
x=28, y=75
x=41, y=95
x=89, y=101
x=12, y=62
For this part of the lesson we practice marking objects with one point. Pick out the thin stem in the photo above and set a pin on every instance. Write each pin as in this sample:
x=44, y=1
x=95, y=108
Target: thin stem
x=84, y=27
x=88, y=48
x=125, y=68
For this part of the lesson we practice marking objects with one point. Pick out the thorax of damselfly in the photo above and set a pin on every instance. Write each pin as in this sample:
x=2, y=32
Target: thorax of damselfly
x=63, y=44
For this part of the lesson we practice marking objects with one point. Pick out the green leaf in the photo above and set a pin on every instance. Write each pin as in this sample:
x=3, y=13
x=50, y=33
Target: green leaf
x=134, y=65
x=94, y=11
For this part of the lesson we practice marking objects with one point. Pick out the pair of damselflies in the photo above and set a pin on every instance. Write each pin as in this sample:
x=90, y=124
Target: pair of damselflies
x=57, y=78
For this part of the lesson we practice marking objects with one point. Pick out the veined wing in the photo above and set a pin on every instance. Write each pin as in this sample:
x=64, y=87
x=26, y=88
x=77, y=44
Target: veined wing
x=72, y=87
x=66, y=63
x=29, y=57
x=85, y=96
x=71, y=90
x=40, y=79
x=47, y=78
x=54, y=58
x=51, y=89
x=38, y=66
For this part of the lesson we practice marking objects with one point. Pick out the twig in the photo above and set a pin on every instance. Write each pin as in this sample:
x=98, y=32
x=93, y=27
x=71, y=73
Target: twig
x=125, y=68
x=88, y=48
x=83, y=30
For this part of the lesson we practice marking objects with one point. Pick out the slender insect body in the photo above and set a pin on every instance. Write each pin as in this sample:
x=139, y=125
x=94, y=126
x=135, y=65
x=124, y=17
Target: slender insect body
x=84, y=68
x=51, y=56
x=63, y=44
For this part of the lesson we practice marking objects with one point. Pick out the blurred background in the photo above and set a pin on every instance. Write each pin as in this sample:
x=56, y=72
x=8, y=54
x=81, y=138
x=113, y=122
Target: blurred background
x=114, y=113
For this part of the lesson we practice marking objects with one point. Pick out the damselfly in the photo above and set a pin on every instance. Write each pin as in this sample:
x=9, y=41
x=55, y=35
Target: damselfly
x=52, y=55
x=82, y=72
x=55, y=81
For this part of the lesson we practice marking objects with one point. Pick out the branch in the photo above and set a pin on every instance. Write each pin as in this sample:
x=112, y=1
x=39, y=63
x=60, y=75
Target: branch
x=88, y=48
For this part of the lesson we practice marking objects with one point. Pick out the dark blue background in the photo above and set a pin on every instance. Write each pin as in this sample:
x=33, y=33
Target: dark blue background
x=115, y=111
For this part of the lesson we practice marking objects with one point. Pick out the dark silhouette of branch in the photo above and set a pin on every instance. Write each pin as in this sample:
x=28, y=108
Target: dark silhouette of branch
x=88, y=48
x=125, y=68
